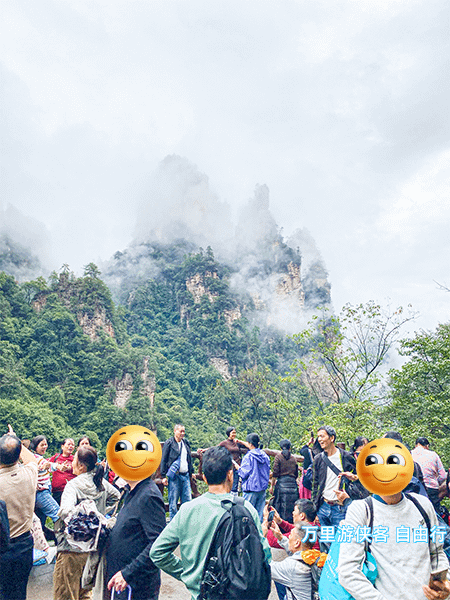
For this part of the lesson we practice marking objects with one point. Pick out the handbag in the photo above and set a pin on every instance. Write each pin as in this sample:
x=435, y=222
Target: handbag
x=354, y=489
x=92, y=576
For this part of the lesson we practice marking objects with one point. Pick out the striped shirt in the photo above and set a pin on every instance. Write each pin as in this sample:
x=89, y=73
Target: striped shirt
x=44, y=474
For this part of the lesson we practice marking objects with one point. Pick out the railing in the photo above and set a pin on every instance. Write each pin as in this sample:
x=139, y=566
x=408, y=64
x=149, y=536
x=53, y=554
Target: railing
x=198, y=476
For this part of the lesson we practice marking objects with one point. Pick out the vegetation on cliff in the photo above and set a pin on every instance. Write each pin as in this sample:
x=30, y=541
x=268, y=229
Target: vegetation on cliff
x=183, y=346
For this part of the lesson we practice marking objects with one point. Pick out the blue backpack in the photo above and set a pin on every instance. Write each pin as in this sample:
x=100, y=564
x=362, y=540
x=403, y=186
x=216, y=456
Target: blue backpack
x=329, y=586
x=308, y=474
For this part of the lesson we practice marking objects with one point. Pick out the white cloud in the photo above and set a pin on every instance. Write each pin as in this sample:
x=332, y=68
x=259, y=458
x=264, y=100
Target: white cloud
x=421, y=207
x=339, y=107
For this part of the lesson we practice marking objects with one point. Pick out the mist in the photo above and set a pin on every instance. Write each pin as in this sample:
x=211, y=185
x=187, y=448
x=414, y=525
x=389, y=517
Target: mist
x=340, y=109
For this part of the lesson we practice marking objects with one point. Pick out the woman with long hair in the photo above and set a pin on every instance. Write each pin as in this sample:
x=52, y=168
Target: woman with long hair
x=88, y=484
x=84, y=441
x=284, y=477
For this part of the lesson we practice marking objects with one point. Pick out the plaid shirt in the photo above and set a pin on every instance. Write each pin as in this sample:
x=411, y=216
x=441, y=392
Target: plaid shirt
x=432, y=468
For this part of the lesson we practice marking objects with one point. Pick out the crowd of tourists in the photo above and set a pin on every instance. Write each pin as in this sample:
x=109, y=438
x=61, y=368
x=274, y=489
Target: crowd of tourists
x=249, y=509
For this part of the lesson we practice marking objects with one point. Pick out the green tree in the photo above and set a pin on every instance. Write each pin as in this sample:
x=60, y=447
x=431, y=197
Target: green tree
x=420, y=389
x=251, y=402
x=350, y=419
x=344, y=354
x=91, y=270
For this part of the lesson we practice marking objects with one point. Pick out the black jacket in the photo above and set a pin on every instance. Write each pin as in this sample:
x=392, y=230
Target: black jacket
x=171, y=452
x=4, y=527
x=320, y=474
x=139, y=522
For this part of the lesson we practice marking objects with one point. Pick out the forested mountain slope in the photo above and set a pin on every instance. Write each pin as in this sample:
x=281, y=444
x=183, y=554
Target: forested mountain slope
x=181, y=345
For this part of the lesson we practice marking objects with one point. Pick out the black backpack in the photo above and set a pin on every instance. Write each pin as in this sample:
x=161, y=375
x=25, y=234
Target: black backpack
x=236, y=567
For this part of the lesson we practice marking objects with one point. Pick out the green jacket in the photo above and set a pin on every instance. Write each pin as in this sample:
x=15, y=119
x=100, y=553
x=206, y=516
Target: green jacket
x=192, y=529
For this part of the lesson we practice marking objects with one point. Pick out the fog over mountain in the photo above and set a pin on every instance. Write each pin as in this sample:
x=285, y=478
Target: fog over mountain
x=23, y=245
x=286, y=279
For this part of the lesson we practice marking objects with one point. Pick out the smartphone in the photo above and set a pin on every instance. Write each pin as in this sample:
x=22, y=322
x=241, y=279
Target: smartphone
x=270, y=517
x=442, y=576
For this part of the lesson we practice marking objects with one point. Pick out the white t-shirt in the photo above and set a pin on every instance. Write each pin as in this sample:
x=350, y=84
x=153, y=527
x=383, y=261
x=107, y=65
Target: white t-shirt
x=184, y=467
x=403, y=567
x=332, y=482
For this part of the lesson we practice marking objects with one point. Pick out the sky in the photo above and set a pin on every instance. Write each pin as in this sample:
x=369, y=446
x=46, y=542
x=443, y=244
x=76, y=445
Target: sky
x=340, y=107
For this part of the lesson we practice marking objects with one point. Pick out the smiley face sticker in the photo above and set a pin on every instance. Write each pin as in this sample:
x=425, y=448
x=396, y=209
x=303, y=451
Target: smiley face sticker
x=385, y=467
x=133, y=452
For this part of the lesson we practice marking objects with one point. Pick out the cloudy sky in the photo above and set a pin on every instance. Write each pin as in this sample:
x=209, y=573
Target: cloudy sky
x=339, y=106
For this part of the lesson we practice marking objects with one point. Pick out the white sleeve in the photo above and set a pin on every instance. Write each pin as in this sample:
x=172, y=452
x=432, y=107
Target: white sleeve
x=69, y=500
x=351, y=556
x=283, y=572
x=438, y=558
x=284, y=543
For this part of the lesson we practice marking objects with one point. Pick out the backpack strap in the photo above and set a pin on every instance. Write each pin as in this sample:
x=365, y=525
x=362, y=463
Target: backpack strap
x=369, y=512
x=228, y=503
x=426, y=518
x=329, y=464
x=313, y=588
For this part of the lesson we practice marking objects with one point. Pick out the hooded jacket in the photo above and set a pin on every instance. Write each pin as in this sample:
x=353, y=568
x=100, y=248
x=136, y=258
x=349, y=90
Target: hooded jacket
x=254, y=471
x=81, y=488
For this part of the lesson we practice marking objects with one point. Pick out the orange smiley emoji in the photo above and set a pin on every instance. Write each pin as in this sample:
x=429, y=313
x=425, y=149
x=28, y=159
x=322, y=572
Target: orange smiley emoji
x=133, y=452
x=385, y=467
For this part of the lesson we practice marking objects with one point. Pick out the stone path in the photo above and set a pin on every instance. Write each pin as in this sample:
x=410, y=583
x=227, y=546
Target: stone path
x=40, y=584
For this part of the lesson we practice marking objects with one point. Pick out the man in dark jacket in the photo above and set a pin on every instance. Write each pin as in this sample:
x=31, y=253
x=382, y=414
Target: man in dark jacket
x=176, y=468
x=326, y=468
x=139, y=522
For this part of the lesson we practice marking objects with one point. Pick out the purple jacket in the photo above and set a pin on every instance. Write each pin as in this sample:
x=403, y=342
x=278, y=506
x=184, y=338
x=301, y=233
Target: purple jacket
x=254, y=471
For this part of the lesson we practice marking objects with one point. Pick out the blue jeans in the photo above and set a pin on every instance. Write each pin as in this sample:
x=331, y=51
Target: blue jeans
x=46, y=506
x=258, y=500
x=328, y=515
x=179, y=488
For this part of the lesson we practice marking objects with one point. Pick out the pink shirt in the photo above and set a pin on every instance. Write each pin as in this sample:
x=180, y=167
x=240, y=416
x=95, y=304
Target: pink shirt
x=432, y=467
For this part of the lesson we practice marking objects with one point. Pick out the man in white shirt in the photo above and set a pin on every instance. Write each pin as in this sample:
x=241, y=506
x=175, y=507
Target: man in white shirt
x=326, y=480
x=176, y=468
x=406, y=569
x=402, y=529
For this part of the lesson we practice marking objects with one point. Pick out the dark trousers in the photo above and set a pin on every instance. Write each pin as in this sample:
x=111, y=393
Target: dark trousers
x=57, y=496
x=235, y=481
x=433, y=495
x=15, y=567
